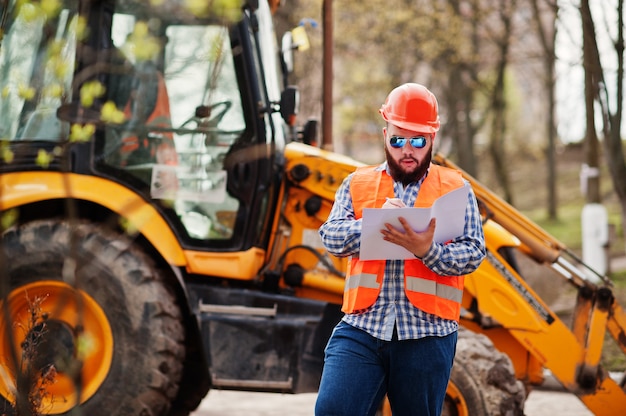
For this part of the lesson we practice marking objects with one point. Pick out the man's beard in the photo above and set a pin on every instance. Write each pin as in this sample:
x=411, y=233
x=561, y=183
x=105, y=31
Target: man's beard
x=399, y=175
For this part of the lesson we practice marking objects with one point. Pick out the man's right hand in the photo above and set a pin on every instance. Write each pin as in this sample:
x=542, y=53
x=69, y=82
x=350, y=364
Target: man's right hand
x=394, y=203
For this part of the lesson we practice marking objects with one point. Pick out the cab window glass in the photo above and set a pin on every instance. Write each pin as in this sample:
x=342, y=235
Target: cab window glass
x=36, y=64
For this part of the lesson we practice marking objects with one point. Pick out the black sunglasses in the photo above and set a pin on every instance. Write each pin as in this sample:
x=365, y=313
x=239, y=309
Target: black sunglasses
x=398, y=142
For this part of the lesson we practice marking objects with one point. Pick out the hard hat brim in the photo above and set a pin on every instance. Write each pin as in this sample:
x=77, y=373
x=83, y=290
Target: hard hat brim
x=409, y=125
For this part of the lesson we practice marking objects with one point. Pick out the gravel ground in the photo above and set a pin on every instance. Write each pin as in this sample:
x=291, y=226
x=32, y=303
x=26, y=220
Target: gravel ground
x=230, y=403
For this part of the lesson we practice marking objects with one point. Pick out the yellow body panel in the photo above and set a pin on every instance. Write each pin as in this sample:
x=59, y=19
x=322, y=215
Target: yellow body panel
x=237, y=265
x=327, y=170
x=607, y=400
x=29, y=187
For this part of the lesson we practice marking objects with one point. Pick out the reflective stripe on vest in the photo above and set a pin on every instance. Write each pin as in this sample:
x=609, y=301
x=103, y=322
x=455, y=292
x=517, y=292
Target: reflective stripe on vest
x=432, y=293
x=430, y=287
x=365, y=280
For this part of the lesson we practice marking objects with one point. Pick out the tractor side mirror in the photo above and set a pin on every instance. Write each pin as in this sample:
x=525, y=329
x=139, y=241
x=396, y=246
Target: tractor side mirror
x=289, y=104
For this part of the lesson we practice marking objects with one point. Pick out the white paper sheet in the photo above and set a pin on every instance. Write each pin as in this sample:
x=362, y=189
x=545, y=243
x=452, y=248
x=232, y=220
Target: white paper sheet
x=449, y=210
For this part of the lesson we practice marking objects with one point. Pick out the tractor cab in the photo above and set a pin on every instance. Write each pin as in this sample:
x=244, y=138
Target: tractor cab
x=180, y=101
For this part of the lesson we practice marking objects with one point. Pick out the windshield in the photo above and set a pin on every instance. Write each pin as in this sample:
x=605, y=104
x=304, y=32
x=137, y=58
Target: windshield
x=155, y=85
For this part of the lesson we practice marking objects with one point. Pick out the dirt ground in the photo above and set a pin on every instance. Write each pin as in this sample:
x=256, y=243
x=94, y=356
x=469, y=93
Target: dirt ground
x=229, y=403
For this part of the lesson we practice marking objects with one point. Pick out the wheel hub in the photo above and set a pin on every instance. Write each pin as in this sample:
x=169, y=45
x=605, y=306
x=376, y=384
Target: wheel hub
x=50, y=344
x=63, y=334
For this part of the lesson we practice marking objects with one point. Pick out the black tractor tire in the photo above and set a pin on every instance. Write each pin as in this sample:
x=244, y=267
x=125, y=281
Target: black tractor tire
x=482, y=382
x=143, y=315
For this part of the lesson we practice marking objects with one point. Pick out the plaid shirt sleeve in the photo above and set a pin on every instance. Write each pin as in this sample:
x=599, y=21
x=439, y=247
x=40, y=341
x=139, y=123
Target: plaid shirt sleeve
x=464, y=254
x=341, y=233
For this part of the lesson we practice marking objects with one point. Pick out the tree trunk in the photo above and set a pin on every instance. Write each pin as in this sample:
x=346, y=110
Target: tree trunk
x=612, y=122
x=548, y=41
x=498, y=107
x=590, y=62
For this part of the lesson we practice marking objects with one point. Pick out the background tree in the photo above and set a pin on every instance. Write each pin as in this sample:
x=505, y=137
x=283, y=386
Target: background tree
x=597, y=87
x=545, y=13
x=498, y=100
x=495, y=78
x=449, y=45
x=593, y=76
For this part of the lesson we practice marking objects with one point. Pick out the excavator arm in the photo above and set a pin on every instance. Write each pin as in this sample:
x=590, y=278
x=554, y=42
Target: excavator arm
x=535, y=242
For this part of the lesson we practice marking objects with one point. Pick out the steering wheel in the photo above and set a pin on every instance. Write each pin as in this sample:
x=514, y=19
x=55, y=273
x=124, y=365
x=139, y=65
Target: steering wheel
x=205, y=115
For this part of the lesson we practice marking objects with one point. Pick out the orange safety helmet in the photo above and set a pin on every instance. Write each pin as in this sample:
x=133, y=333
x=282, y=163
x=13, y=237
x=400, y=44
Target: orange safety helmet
x=413, y=107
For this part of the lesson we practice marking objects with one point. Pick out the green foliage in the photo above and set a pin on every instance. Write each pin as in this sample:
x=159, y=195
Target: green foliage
x=568, y=227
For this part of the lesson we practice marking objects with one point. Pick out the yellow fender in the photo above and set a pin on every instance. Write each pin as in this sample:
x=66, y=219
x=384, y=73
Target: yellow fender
x=22, y=188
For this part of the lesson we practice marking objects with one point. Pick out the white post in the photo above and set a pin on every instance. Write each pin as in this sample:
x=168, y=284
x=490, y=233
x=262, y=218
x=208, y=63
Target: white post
x=595, y=236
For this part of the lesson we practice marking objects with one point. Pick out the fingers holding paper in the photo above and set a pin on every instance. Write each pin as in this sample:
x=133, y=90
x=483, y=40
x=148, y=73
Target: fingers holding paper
x=416, y=242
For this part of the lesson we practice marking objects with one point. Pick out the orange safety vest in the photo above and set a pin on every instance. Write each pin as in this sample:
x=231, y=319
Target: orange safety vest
x=425, y=289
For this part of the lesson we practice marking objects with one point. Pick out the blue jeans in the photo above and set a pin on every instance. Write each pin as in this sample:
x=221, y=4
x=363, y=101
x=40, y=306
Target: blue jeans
x=360, y=369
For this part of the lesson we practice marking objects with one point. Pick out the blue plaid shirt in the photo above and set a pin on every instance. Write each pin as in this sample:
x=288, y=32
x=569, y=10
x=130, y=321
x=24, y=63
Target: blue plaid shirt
x=341, y=235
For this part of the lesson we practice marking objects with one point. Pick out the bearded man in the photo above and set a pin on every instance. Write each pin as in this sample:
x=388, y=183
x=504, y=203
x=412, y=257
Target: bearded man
x=399, y=332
